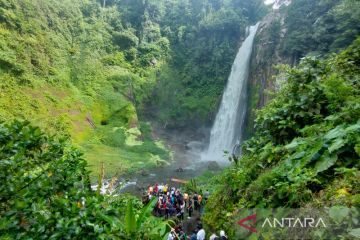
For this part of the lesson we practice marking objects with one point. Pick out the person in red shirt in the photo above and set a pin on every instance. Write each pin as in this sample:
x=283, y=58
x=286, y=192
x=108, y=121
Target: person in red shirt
x=156, y=189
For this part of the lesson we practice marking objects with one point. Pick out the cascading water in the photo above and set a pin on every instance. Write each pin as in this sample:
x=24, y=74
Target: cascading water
x=229, y=120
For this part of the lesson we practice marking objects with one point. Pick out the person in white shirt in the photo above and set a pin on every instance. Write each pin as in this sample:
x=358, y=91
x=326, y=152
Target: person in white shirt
x=161, y=188
x=182, y=211
x=222, y=235
x=213, y=237
x=201, y=233
x=171, y=235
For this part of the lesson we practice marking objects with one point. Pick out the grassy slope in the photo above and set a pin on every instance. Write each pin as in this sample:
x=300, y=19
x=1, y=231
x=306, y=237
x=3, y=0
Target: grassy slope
x=60, y=70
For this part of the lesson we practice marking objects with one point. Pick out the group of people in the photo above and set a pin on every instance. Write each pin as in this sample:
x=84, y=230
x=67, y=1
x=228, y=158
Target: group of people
x=198, y=234
x=172, y=202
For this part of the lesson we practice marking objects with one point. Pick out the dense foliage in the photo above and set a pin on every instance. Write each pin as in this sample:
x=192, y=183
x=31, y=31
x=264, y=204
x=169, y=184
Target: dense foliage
x=285, y=36
x=320, y=27
x=45, y=194
x=306, y=149
x=204, y=37
x=74, y=68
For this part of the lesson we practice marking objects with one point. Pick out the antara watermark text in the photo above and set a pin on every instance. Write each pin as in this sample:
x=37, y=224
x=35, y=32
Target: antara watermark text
x=294, y=222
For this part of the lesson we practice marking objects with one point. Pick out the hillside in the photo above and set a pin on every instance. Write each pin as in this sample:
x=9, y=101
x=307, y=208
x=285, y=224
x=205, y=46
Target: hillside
x=65, y=69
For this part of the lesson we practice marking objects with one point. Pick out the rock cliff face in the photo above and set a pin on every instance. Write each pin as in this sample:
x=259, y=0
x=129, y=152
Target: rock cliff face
x=266, y=55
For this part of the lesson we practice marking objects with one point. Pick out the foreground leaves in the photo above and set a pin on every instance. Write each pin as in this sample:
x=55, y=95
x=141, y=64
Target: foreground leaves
x=45, y=194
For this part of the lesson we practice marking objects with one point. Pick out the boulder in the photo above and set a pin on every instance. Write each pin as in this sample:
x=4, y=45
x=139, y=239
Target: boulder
x=213, y=166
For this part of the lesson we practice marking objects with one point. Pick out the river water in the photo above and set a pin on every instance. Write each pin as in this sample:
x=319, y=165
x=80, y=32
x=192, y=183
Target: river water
x=186, y=164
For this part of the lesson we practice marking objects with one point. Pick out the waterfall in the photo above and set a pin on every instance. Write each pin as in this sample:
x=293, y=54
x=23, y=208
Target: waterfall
x=229, y=121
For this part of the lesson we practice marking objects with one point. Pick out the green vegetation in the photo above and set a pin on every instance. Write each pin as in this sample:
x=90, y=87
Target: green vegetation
x=71, y=68
x=305, y=151
x=89, y=71
x=320, y=27
x=304, y=28
x=204, y=36
x=87, y=75
x=45, y=194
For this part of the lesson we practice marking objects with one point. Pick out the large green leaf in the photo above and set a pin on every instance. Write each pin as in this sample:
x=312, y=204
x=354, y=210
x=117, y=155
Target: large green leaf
x=295, y=144
x=130, y=219
x=312, y=153
x=337, y=144
x=338, y=213
x=335, y=133
x=355, y=232
x=113, y=221
x=146, y=211
x=325, y=162
x=353, y=128
x=301, y=157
